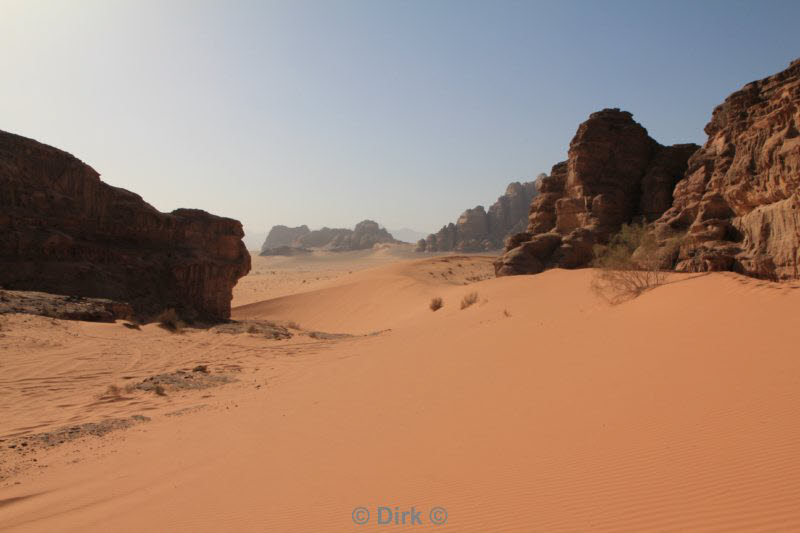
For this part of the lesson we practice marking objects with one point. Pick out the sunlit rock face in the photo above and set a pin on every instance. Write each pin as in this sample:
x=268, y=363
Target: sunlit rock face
x=739, y=202
x=615, y=173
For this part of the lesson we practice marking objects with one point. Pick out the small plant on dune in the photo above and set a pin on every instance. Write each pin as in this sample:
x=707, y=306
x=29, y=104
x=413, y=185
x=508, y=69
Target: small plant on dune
x=630, y=263
x=293, y=325
x=506, y=313
x=170, y=320
x=469, y=299
x=436, y=304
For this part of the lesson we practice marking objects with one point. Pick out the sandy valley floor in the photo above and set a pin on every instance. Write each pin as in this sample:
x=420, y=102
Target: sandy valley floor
x=538, y=408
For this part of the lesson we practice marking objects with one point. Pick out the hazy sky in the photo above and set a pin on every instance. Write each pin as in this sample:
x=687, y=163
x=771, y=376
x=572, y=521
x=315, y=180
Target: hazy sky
x=329, y=112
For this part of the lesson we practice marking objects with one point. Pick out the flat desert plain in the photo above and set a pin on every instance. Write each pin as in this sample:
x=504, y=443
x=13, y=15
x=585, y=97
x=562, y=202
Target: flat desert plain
x=540, y=407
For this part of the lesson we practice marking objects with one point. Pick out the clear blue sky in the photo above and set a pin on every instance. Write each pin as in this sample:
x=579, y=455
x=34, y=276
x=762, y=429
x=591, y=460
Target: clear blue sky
x=328, y=112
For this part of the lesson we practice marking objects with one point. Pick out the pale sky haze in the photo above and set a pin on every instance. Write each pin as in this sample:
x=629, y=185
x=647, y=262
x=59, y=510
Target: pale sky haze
x=331, y=111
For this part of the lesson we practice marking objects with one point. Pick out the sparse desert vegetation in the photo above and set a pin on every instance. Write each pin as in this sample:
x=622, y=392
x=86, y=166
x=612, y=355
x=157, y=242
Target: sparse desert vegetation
x=436, y=303
x=630, y=263
x=469, y=300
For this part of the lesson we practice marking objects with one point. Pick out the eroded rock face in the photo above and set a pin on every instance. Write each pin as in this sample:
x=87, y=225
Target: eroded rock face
x=478, y=230
x=738, y=202
x=64, y=231
x=615, y=172
x=366, y=234
x=283, y=236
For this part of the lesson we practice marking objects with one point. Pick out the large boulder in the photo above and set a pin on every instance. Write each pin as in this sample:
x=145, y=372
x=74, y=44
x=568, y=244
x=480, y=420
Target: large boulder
x=478, y=229
x=739, y=204
x=615, y=173
x=64, y=231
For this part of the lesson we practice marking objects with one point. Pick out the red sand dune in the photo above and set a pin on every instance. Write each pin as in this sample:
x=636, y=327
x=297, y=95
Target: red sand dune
x=539, y=408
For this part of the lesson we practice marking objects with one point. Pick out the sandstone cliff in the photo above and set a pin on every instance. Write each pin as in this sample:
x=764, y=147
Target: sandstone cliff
x=477, y=230
x=615, y=172
x=365, y=235
x=739, y=201
x=64, y=231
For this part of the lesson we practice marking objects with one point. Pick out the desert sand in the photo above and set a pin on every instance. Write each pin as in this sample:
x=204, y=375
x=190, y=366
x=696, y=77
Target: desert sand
x=539, y=408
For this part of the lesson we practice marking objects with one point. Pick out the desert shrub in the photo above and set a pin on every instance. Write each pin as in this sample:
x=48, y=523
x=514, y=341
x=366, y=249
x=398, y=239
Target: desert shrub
x=469, y=299
x=436, y=303
x=630, y=263
x=506, y=313
x=293, y=325
x=170, y=320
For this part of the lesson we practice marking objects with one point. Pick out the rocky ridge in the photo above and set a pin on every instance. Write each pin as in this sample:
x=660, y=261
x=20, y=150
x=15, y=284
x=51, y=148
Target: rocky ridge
x=478, y=230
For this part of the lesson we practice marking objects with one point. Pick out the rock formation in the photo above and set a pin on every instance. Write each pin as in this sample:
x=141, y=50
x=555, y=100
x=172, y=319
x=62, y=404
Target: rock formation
x=366, y=234
x=739, y=201
x=477, y=230
x=615, y=172
x=282, y=236
x=64, y=231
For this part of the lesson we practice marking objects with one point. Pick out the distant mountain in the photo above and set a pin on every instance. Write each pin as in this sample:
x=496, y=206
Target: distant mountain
x=366, y=234
x=283, y=236
x=478, y=230
x=407, y=234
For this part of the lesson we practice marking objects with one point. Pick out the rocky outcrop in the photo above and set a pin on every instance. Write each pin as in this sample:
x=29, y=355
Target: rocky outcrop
x=283, y=236
x=63, y=307
x=739, y=204
x=366, y=234
x=615, y=173
x=478, y=230
x=64, y=231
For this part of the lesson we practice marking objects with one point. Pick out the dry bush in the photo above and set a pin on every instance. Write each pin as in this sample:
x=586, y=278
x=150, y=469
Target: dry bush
x=506, y=313
x=436, y=303
x=629, y=264
x=170, y=320
x=469, y=299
